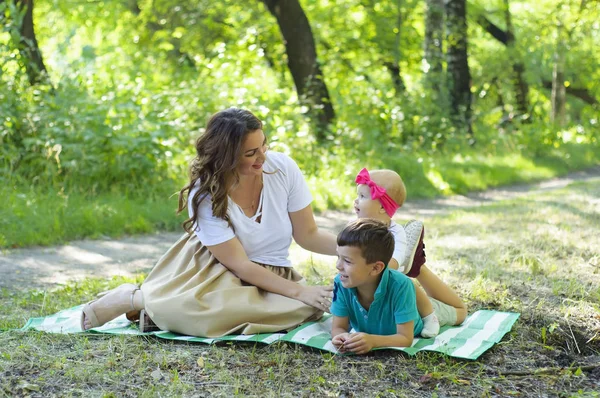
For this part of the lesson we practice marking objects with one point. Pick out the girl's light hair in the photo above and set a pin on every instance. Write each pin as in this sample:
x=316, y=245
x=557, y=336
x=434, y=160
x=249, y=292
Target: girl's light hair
x=392, y=182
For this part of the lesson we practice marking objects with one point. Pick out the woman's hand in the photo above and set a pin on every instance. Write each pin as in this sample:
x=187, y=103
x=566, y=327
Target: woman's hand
x=317, y=296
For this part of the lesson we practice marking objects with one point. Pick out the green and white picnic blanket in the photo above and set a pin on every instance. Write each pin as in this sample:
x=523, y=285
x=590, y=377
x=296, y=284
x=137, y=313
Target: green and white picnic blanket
x=478, y=333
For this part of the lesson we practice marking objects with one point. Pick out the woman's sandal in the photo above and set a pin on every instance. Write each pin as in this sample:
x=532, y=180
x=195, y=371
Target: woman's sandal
x=89, y=313
x=146, y=324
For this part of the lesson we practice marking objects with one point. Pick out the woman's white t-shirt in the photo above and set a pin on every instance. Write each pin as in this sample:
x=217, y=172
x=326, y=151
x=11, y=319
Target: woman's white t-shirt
x=400, y=242
x=268, y=242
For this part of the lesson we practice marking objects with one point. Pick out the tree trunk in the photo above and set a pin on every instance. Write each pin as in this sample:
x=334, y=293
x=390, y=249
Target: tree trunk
x=519, y=84
x=459, y=76
x=28, y=46
x=558, y=83
x=578, y=92
x=302, y=61
x=394, y=67
x=396, y=75
x=434, y=39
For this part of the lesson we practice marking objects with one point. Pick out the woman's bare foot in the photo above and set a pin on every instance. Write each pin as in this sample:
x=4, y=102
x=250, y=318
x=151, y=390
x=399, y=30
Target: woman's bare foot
x=116, y=302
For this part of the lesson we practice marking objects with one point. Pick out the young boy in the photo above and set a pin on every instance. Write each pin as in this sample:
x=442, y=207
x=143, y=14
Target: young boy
x=376, y=301
x=379, y=194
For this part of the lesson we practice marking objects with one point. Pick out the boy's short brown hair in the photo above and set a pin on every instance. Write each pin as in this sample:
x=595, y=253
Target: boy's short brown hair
x=371, y=236
x=392, y=182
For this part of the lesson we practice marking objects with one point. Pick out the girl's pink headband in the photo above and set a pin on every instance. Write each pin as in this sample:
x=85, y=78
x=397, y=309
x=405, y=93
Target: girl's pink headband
x=389, y=205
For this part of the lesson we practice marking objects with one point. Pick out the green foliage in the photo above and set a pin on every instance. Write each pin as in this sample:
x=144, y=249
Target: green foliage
x=134, y=83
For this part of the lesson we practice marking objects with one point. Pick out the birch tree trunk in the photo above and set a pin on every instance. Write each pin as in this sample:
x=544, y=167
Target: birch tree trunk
x=520, y=85
x=433, y=46
x=394, y=68
x=558, y=82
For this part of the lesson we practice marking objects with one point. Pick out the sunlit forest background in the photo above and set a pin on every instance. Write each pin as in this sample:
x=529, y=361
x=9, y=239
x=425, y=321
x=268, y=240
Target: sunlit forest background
x=100, y=101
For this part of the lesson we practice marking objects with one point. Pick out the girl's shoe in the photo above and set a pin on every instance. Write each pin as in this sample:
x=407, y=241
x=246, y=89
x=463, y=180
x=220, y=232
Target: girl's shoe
x=416, y=248
x=120, y=299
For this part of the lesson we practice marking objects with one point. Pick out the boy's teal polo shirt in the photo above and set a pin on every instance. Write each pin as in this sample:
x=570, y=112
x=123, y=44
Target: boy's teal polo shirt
x=395, y=303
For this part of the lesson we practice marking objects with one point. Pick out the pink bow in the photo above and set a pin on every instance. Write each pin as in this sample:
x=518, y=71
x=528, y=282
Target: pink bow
x=389, y=205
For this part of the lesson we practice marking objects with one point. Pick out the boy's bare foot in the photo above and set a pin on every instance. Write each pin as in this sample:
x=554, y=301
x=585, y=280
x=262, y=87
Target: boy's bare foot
x=114, y=303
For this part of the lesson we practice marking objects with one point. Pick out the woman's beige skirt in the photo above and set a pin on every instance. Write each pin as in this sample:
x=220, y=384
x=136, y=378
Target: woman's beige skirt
x=190, y=292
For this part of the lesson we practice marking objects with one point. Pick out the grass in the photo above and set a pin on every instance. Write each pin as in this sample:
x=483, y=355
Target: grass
x=30, y=216
x=471, y=170
x=538, y=255
x=37, y=216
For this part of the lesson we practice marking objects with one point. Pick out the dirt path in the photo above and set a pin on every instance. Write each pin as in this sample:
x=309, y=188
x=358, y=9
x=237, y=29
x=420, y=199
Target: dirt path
x=45, y=267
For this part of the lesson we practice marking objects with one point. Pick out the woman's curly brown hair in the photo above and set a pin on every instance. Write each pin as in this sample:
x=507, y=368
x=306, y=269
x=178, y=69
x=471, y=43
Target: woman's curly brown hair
x=217, y=154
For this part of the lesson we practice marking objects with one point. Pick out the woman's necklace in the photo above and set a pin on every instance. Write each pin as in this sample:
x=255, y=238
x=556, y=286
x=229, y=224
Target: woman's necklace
x=253, y=204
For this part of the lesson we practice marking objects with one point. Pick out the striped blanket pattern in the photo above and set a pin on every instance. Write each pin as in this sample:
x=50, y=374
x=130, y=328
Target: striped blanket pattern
x=478, y=333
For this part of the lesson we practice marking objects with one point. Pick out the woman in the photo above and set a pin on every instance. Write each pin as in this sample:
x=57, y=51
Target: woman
x=231, y=273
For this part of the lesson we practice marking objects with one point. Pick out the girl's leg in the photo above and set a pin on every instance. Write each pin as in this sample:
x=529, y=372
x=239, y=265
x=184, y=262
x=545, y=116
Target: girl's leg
x=438, y=290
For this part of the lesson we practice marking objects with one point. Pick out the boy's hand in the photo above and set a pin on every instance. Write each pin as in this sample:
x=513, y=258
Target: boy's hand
x=339, y=341
x=359, y=343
